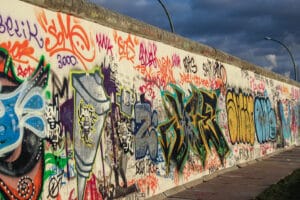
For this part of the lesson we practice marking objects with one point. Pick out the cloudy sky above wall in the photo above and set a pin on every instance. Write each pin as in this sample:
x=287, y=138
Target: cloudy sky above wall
x=236, y=27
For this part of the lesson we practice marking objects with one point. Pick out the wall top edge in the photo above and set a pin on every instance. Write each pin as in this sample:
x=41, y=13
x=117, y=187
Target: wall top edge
x=103, y=16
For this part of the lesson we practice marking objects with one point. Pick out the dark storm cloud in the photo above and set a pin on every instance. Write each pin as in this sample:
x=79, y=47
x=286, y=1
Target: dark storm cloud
x=237, y=27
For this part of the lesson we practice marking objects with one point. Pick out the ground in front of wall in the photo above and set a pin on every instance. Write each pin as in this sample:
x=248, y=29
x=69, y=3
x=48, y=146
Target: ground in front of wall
x=286, y=189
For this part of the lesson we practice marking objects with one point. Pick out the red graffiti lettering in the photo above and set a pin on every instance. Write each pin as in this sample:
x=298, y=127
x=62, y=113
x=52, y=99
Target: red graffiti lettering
x=27, y=71
x=72, y=193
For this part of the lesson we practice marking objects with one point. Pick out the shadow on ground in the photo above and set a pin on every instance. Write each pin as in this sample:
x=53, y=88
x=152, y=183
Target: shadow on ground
x=286, y=189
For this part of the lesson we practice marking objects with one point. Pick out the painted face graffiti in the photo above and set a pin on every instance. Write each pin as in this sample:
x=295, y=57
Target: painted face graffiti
x=22, y=129
x=19, y=109
x=9, y=130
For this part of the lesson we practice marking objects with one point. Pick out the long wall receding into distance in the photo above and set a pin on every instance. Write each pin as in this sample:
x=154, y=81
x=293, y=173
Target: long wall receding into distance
x=96, y=105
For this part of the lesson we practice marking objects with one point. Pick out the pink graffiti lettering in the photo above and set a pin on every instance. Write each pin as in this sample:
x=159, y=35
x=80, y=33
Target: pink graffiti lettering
x=264, y=149
x=295, y=93
x=175, y=60
x=147, y=54
x=294, y=124
x=257, y=86
x=104, y=43
x=147, y=89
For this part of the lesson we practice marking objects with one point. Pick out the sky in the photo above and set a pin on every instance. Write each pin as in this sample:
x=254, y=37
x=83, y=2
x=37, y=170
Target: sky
x=237, y=27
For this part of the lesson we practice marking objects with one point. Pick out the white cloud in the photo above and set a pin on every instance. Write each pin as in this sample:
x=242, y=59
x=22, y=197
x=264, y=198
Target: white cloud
x=142, y=3
x=272, y=59
x=287, y=74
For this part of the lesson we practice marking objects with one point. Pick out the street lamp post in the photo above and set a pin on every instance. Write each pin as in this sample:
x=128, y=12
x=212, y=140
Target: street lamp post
x=167, y=13
x=292, y=58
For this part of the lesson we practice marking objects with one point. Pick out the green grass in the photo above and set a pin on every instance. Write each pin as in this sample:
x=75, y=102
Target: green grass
x=286, y=189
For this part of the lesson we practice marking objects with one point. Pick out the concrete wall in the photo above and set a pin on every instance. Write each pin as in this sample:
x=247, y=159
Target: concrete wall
x=95, y=105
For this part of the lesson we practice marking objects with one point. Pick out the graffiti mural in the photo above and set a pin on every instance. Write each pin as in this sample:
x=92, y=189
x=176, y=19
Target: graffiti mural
x=122, y=116
x=144, y=126
x=89, y=119
x=240, y=110
x=285, y=119
x=65, y=34
x=23, y=128
x=191, y=126
x=265, y=120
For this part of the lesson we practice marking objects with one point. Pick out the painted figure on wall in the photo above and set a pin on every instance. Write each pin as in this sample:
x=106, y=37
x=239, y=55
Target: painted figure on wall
x=22, y=129
x=92, y=106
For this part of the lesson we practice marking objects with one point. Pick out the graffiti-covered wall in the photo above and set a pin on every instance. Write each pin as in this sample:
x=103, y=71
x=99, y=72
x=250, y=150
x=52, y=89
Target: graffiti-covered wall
x=91, y=111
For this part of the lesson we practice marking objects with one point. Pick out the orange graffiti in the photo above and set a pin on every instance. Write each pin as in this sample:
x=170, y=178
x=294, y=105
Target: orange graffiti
x=192, y=167
x=67, y=36
x=145, y=71
x=283, y=89
x=126, y=47
x=148, y=182
x=22, y=55
x=20, y=52
x=58, y=197
x=158, y=77
x=165, y=71
x=195, y=79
